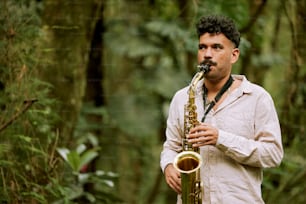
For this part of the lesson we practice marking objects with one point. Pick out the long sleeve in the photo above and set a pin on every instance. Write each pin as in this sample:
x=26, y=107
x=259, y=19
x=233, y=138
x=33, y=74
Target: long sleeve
x=263, y=149
x=174, y=131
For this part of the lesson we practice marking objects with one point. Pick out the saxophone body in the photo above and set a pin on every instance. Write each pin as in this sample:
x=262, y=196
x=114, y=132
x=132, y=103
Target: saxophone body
x=189, y=161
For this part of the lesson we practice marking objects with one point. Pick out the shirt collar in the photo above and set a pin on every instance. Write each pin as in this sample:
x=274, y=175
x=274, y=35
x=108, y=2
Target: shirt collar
x=244, y=88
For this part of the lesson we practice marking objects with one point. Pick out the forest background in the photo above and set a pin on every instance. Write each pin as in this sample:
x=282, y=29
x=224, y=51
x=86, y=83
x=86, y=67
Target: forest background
x=85, y=87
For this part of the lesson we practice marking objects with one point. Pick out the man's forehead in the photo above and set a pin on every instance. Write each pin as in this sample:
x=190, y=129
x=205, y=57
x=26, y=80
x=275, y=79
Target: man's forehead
x=214, y=38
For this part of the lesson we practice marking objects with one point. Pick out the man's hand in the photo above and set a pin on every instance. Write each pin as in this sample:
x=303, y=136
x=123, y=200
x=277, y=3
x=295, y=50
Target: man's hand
x=203, y=134
x=173, y=178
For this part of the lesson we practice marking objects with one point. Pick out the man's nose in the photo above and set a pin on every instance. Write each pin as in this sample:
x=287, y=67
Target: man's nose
x=208, y=53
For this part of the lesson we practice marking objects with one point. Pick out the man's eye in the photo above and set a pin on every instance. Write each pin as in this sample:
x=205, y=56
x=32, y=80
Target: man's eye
x=201, y=47
x=218, y=47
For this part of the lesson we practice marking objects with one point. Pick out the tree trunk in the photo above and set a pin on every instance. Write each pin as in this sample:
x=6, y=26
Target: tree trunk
x=295, y=104
x=94, y=92
x=254, y=69
x=67, y=25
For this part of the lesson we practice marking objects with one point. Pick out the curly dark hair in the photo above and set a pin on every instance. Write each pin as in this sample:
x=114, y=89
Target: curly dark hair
x=219, y=24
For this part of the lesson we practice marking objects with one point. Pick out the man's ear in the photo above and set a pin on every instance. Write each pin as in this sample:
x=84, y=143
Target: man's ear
x=235, y=55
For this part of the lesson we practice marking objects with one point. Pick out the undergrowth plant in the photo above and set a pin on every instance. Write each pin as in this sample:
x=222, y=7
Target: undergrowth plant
x=33, y=169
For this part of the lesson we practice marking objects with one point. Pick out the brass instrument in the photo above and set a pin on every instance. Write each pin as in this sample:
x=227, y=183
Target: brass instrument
x=188, y=162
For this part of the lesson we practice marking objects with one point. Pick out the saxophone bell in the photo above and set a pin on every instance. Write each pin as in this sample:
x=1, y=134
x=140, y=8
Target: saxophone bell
x=188, y=164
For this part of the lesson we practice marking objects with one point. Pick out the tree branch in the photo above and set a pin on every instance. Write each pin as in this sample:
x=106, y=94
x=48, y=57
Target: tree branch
x=254, y=18
x=27, y=105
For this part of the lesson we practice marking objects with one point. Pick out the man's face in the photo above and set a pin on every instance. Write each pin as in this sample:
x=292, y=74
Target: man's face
x=218, y=51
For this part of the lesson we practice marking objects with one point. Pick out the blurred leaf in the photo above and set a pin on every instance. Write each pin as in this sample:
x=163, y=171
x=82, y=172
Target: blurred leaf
x=87, y=157
x=78, y=158
x=63, y=152
x=74, y=161
x=81, y=148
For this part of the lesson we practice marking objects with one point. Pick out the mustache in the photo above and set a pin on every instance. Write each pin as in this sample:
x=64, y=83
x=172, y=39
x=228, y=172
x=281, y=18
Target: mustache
x=209, y=62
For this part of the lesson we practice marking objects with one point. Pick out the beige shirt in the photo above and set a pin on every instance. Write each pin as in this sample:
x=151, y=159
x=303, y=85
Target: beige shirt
x=249, y=140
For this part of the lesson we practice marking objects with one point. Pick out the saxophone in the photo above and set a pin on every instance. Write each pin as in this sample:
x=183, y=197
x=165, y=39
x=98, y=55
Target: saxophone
x=188, y=162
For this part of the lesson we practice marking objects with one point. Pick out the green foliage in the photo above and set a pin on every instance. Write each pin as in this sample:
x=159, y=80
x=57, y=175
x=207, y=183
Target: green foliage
x=30, y=169
x=238, y=10
x=285, y=184
x=78, y=161
x=24, y=167
x=154, y=59
x=25, y=161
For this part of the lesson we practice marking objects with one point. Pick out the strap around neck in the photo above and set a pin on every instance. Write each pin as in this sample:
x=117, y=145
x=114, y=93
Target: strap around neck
x=218, y=96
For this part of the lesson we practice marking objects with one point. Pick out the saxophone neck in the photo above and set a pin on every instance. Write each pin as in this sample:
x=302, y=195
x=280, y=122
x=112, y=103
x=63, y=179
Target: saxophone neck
x=193, y=84
x=203, y=69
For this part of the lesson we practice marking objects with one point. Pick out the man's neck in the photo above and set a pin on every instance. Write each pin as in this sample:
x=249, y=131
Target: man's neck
x=214, y=86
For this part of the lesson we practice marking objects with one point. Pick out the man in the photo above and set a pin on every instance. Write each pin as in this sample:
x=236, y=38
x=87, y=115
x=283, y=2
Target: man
x=238, y=137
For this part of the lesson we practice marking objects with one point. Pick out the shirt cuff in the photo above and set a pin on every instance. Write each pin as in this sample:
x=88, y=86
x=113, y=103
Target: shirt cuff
x=167, y=157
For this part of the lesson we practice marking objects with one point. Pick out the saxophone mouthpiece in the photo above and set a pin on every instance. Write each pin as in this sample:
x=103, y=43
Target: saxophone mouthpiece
x=204, y=67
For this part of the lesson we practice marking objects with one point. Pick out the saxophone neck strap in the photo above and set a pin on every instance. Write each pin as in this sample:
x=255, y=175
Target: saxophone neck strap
x=218, y=96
